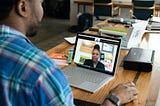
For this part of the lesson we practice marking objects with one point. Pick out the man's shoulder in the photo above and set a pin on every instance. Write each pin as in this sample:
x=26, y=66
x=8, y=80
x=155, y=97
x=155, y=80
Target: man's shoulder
x=30, y=61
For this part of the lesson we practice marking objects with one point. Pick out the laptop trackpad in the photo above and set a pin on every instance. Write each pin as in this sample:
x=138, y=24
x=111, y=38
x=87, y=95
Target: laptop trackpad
x=88, y=85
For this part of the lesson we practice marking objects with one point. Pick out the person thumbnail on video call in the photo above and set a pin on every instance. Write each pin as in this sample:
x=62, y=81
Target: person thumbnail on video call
x=96, y=55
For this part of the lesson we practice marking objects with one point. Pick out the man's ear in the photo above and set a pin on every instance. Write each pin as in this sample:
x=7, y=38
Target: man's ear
x=23, y=8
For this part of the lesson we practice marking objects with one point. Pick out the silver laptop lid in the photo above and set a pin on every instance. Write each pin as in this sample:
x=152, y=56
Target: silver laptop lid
x=108, y=48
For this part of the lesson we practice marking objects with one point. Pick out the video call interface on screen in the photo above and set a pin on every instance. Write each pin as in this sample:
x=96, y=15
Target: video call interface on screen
x=108, y=50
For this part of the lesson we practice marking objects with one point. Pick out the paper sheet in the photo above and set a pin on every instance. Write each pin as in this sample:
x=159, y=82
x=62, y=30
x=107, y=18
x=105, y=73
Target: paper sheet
x=71, y=40
x=137, y=33
x=61, y=62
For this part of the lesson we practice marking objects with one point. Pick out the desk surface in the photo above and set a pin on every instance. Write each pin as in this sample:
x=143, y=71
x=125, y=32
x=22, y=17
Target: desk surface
x=147, y=84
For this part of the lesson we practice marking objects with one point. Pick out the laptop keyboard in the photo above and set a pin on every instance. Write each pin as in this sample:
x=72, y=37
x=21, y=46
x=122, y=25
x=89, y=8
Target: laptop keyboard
x=84, y=74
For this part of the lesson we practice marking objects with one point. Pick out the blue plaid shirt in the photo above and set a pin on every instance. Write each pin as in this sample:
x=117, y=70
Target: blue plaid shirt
x=27, y=76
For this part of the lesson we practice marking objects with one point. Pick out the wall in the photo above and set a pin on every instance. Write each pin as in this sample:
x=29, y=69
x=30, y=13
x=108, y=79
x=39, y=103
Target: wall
x=74, y=12
x=157, y=1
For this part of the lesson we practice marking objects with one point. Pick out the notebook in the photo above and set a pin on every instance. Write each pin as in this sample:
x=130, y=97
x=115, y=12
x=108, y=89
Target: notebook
x=86, y=77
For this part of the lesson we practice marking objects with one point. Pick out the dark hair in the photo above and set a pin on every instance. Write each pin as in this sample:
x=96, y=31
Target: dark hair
x=96, y=47
x=6, y=7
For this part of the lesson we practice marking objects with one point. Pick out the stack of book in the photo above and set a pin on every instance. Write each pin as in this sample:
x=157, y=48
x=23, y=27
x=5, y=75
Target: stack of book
x=114, y=32
x=122, y=20
x=154, y=24
x=59, y=58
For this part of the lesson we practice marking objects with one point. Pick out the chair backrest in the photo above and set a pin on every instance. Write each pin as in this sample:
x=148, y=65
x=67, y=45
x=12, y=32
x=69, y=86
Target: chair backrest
x=143, y=9
x=102, y=8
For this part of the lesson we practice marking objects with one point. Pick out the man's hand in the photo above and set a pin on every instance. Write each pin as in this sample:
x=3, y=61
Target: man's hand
x=126, y=92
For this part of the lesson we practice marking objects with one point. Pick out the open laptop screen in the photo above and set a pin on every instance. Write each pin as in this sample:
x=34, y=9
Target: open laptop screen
x=102, y=51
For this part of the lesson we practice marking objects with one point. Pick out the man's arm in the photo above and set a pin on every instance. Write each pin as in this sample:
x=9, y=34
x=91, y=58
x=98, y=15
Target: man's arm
x=124, y=93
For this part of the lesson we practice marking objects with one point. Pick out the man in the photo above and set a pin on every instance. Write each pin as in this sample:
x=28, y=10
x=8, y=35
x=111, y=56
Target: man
x=27, y=75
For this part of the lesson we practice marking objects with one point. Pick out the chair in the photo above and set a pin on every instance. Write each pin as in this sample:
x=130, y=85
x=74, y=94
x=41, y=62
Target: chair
x=142, y=9
x=104, y=8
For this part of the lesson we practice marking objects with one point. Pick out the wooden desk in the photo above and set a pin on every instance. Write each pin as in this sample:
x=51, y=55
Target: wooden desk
x=115, y=4
x=90, y=2
x=84, y=2
x=123, y=4
x=147, y=83
x=120, y=4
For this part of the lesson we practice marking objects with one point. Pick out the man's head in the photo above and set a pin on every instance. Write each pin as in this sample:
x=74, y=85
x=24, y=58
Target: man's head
x=23, y=15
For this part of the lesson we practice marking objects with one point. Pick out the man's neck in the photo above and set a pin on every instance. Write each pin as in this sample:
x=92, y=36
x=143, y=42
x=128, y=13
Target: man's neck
x=14, y=24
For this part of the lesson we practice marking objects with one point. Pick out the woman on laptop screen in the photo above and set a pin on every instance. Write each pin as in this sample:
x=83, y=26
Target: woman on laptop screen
x=94, y=63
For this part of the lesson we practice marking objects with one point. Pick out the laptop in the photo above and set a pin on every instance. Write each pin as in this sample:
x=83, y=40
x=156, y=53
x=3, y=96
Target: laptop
x=86, y=77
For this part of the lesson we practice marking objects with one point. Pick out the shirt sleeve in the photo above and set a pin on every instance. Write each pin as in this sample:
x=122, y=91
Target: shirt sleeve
x=52, y=88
